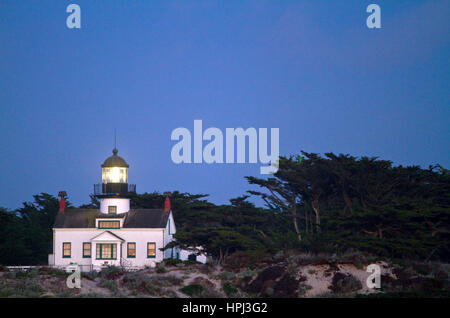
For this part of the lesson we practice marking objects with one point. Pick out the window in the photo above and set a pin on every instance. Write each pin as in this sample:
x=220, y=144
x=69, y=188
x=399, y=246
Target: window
x=131, y=248
x=86, y=250
x=112, y=209
x=151, y=250
x=67, y=250
x=192, y=257
x=109, y=224
x=106, y=251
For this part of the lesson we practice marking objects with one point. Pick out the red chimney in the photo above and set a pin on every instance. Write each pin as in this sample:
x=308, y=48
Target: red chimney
x=62, y=201
x=167, y=202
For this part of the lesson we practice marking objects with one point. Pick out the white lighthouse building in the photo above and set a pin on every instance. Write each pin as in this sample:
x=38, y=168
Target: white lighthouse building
x=114, y=234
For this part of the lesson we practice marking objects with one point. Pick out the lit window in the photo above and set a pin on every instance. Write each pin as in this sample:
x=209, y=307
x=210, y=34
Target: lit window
x=67, y=250
x=131, y=250
x=115, y=175
x=112, y=209
x=106, y=251
x=87, y=250
x=108, y=224
x=151, y=250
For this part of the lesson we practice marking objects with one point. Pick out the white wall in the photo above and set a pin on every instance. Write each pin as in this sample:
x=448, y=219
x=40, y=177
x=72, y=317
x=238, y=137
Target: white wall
x=168, y=237
x=123, y=205
x=78, y=236
x=184, y=255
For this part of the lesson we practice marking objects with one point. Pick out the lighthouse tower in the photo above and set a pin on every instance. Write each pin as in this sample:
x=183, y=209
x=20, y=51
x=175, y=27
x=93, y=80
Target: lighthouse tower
x=114, y=192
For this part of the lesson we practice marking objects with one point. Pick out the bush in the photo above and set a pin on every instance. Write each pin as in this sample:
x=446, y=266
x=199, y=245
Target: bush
x=343, y=283
x=27, y=274
x=250, y=259
x=172, y=261
x=92, y=275
x=189, y=262
x=192, y=290
x=161, y=268
x=4, y=268
x=229, y=289
x=227, y=275
x=21, y=288
x=110, y=284
x=111, y=272
x=153, y=285
x=53, y=271
x=172, y=279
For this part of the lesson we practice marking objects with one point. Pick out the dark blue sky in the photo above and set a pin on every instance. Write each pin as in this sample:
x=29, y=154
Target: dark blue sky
x=310, y=68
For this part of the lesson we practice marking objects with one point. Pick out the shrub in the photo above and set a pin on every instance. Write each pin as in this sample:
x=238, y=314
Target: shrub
x=269, y=291
x=172, y=279
x=172, y=261
x=92, y=275
x=109, y=284
x=152, y=285
x=24, y=274
x=278, y=255
x=229, y=289
x=192, y=290
x=343, y=283
x=227, y=275
x=21, y=288
x=4, y=268
x=111, y=272
x=247, y=274
x=189, y=262
x=161, y=268
x=250, y=259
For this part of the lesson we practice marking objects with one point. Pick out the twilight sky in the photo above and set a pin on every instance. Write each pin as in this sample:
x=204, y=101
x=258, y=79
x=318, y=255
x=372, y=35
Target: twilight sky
x=310, y=68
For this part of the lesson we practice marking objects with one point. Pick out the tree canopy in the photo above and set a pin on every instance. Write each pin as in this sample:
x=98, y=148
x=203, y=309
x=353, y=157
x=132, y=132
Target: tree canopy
x=314, y=203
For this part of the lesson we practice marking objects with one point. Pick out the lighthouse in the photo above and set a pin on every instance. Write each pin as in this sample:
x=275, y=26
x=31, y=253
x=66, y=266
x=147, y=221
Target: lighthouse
x=114, y=192
x=113, y=234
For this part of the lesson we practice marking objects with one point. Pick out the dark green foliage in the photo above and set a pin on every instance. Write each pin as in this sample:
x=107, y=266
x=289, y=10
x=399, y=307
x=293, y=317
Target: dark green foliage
x=320, y=204
x=26, y=287
x=341, y=202
x=192, y=290
x=344, y=283
x=229, y=289
x=286, y=287
x=111, y=285
x=111, y=272
x=172, y=261
x=92, y=275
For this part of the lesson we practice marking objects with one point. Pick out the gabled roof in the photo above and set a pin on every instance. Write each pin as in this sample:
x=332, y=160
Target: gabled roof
x=135, y=218
x=107, y=236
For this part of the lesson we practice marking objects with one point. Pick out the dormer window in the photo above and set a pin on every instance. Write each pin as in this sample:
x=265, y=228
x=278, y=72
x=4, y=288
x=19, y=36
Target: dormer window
x=109, y=224
x=112, y=209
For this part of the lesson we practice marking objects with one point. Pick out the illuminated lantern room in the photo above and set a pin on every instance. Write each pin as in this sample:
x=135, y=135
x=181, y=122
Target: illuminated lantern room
x=114, y=192
x=115, y=169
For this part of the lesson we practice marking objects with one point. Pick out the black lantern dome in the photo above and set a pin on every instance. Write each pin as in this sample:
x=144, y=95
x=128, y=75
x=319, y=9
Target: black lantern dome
x=114, y=178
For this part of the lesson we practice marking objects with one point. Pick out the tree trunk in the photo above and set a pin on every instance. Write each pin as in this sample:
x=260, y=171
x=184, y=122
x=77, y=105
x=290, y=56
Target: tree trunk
x=220, y=256
x=380, y=233
x=294, y=216
x=315, y=206
x=306, y=220
x=348, y=202
x=296, y=229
